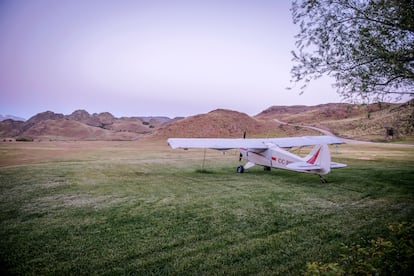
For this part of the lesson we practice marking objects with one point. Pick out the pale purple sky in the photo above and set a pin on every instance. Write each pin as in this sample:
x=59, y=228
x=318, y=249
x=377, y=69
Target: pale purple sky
x=148, y=57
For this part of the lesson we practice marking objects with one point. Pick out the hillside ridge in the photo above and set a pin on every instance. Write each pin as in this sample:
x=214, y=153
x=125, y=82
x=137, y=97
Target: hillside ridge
x=81, y=125
x=345, y=120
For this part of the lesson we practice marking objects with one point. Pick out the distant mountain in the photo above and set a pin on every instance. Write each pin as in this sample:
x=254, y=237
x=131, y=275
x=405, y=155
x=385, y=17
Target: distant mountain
x=364, y=122
x=11, y=117
x=80, y=125
x=10, y=128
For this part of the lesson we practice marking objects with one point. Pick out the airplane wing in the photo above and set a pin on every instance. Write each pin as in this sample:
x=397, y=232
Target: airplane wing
x=253, y=143
x=215, y=143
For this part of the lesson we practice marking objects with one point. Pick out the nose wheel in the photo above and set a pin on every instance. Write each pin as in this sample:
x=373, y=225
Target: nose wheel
x=240, y=169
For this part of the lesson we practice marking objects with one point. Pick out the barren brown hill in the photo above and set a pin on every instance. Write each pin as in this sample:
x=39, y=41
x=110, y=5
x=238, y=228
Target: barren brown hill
x=73, y=130
x=106, y=120
x=225, y=123
x=10, y=128
x=47, y=115
x=80, y=125
x=349, y=120
x=311, y=114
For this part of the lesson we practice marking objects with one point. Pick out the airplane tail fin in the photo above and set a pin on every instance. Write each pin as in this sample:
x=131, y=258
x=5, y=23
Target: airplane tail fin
x=321, y=157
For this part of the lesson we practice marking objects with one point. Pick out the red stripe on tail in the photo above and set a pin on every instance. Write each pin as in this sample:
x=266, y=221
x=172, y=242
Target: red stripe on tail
x=314, y=157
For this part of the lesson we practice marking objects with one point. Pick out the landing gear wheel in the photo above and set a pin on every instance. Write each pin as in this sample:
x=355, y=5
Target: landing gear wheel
x=240, y=169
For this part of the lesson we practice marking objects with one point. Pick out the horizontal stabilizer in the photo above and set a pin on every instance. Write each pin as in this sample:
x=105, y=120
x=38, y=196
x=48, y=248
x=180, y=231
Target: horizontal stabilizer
x=307, y=166
x=302, y=166
x=335, y=165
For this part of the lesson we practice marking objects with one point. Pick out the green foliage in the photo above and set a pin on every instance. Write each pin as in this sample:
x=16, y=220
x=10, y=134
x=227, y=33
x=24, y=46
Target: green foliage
x=393, y=255
x=318, y=268
x=367, y=46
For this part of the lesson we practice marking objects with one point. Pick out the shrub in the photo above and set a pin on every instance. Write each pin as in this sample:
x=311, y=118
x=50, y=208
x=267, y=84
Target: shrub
x=24, y=139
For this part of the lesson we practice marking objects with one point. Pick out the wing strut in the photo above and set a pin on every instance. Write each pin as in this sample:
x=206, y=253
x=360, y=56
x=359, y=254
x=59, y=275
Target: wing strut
x=204, y=159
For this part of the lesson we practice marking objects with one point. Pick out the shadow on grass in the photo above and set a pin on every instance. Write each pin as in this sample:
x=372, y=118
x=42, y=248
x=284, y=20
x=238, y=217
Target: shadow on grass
x=204, y=171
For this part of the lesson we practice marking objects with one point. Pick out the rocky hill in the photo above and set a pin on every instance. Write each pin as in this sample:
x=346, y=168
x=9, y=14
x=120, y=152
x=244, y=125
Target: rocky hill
x=225, y=123
x=80, y=125
x=331, y=111
x=364, y=122
x=11, y=128
x=355, y=121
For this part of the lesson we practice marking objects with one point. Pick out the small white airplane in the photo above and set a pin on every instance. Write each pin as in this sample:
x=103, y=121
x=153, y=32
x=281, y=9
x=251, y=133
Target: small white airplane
x=271, y=152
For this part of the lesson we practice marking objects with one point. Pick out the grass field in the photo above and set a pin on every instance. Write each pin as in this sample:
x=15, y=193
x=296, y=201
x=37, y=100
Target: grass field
x=142, y=208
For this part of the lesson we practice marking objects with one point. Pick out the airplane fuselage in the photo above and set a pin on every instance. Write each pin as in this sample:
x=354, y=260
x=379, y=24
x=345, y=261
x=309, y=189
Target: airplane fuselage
x=275, y=157
x=272, y=157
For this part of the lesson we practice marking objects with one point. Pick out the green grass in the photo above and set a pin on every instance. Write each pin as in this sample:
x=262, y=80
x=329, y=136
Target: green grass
x=166, y=216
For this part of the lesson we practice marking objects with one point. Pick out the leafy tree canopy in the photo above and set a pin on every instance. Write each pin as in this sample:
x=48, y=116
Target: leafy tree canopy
x=367, y=46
